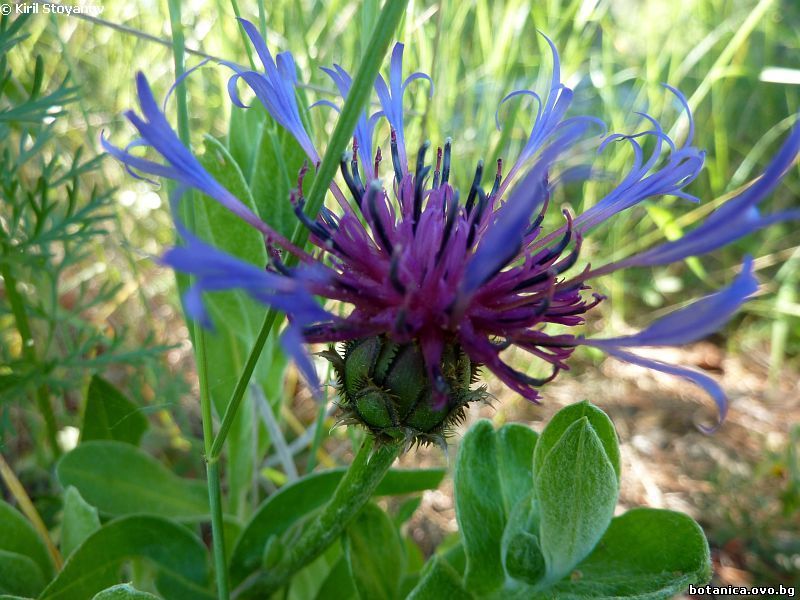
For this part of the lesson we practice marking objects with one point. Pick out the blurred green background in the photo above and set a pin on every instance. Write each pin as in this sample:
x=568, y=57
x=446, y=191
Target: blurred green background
x=738, y=63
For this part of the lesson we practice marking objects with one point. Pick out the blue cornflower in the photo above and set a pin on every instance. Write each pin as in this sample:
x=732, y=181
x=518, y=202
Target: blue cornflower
x=438, y=285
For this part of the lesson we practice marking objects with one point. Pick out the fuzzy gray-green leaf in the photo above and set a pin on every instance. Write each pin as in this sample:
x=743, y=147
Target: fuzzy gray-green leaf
x=646, y=554
x=480, y=507
x=576, y=490
x=602, y=425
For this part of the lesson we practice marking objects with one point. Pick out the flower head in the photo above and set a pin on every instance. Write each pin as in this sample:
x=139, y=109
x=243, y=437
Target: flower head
x=439, y=281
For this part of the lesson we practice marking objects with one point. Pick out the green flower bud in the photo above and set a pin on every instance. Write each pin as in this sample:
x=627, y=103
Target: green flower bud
x=384, y=386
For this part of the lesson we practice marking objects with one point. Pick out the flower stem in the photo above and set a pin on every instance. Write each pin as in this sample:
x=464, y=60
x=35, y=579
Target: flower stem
x=212, y=466
x=354, y=490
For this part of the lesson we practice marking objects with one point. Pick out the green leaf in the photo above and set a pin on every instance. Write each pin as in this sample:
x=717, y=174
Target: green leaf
x=244, y=133
x=375, y=554
x=524, y=559
x=277, y=163
x=78, y=522
x=308, y=581
x=229, y=233
x=480, y=507
x=407, y=510
x=439, y=581
x=18, y=536
x=292, y=502
x=19, y=574
x=407, y=481
x=109, y=415
x=179, y=556
x=646, y=554
x=338, y=585
x=522, y=554
x=454, y=554
x=576, y=490
x=123, y=591
x=120, y=479
x=600, y=422
x=515, y=445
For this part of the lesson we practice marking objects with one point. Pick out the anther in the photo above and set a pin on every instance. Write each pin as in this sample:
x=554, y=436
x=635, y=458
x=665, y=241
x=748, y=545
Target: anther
x=314, y=227
x=300, y=176
x=354, y=167
x=356, y=190
x=497, y=178
x=438, y=170
x=372, y=197
x=276, y=262
x=473, y=190
x=328, y=216
x=476, y=218
x=540, y=217
x=418, y=185
x=378, y=159
x=448, y=143
x=421, y=155
x=398, y=171
x=449, y=221
x=562, y=244
x=394, y=277
x=421, y=173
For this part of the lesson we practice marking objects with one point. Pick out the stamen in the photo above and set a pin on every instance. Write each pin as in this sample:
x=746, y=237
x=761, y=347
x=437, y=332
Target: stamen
x=557, y=269
x=537, y=381
x=276, y=262
x=418, y=185
x=421, y=155
x=437, y=171
x=398, y=171
x=378, y=159
x=356, y=190
x=421, y=173
x=301, y=175
x=331, y=220
x=449, y=221
x=559, y=247
x=354, y=166
x=394, y=277
x=377, y=224
x=572, y=258
x=473, y=191
x=446, y=168
x=497, y=178
x=538, y=220
x=476, y=218
x=400, y=324
x=500, y=346
x=314, y=227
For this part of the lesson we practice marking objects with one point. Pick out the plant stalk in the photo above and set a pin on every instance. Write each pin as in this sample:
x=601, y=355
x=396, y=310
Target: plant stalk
x=212, y=467
x=354, y=490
